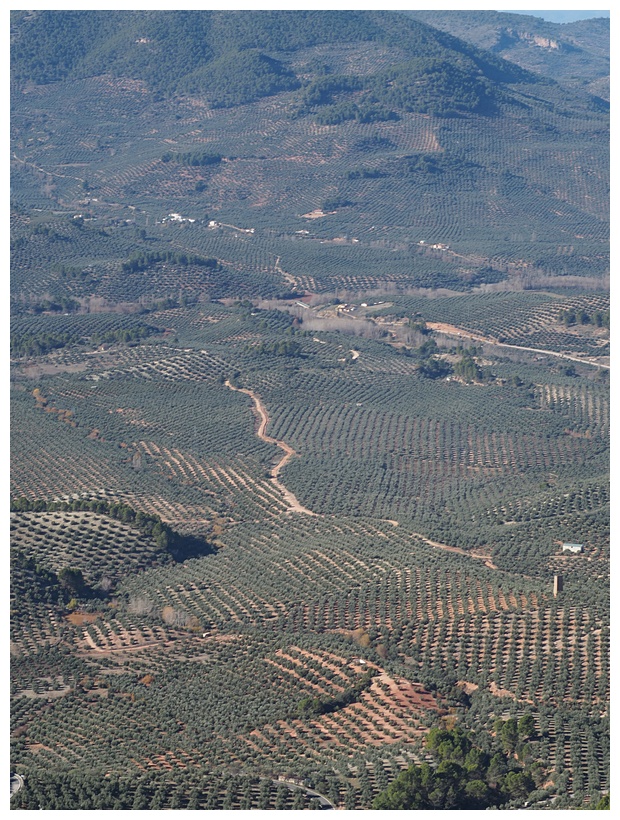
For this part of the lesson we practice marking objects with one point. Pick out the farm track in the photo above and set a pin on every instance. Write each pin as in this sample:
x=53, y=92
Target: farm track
x=452, y=330
x=116, y=650
x=44, y=171
x=288, y=277
x=261, y=412
x=324, y=802
x=488, y=562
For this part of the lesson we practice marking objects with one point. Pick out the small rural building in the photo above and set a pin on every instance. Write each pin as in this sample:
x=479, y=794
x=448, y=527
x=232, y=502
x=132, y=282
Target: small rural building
x=558, y=585
x=572, y=547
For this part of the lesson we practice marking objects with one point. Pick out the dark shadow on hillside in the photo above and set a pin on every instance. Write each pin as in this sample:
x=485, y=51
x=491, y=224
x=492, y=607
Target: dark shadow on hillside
x=190, y=546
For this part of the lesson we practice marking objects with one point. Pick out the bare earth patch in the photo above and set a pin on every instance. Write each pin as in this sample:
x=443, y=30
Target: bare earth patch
x=317, y=214
x=34, y=371
x=500, y=693
x=80, y=618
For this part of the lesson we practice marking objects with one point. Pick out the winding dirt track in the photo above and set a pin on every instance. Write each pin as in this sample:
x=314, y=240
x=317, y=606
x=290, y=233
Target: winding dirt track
x=261, y=412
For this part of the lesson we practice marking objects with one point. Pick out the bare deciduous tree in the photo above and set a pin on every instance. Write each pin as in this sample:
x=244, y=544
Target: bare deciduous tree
x=140, y=605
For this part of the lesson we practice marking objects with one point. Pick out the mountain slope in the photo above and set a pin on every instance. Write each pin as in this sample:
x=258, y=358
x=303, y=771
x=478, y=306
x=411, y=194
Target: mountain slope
x=165, y=48
x=330, y=127
x=576, y=54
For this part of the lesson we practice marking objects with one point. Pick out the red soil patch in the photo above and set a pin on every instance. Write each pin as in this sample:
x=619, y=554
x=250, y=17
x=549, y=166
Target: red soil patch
x=406, y=694
x=81, y=618
x=500, y=693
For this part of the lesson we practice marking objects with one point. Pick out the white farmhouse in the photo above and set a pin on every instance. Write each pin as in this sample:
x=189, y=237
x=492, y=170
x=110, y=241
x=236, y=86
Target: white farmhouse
x=572, y=547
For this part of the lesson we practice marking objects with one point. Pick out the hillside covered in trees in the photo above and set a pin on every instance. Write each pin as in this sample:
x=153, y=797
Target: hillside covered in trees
x=310, y=364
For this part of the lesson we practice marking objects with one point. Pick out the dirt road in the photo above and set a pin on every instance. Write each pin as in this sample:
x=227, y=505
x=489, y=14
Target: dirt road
x=118, y=649
x=261, y=412
x=290, y=784
x=478, y=555
x=287, y=276
x=452, y=330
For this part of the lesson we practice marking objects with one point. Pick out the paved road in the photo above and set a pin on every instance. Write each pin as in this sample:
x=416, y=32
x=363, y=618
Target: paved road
x=453, y=330
x=324, y=802
x=17, y=781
